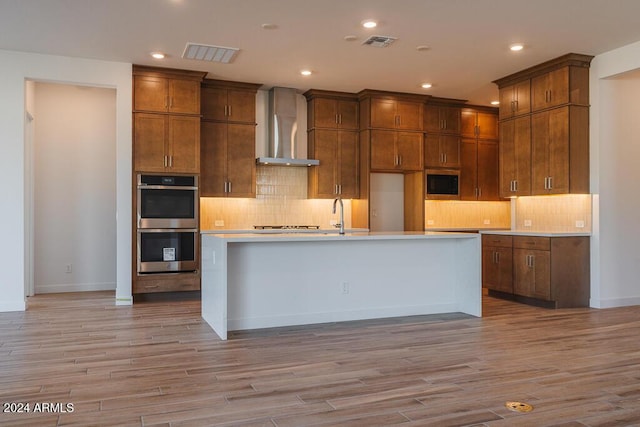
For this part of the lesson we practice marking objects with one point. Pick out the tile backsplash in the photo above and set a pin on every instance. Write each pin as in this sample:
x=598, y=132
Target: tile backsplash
x=281, y=199
x=466, y=214
x=564, y=213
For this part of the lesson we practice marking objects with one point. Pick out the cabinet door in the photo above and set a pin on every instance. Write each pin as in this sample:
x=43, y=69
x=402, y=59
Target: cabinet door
x=515, y=100
x=214, y=103
x=468, y=123
x=432, y=153
x=241, y=160
x=515, y=157
x=184, y=96
x=184, y=144
x=150, y=136
x=325, y=113
x=487, y=170
x=150, y=93
x=323, y=144
x=383, y=151
x=213, y=154
x=442, y=119
x=468, y=169
x=450, y=148
x=487, y=126
x=532, y=273
x=550, y=89
x=347, y=166
x=497, y=269
x=409, y=115
x=348, y=114
x=383, y=113
x=409, y=151
x=550, y=151
x=241, y=106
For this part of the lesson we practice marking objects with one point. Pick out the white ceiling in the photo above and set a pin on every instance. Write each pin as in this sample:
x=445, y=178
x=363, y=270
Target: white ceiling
x=468, y=39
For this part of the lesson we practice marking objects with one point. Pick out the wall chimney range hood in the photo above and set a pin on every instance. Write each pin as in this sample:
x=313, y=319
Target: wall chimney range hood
x=283, y=128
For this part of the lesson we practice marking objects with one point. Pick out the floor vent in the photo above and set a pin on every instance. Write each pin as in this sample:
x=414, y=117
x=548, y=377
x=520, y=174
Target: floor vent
x=204, y=52
x=519, y=406
x=379, y=41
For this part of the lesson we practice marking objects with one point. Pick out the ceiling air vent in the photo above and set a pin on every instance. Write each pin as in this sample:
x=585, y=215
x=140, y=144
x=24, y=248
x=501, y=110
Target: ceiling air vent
x=379, y=41
x=204, y=52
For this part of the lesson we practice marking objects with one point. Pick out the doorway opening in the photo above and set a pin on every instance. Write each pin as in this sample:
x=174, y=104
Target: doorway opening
x=70, y=176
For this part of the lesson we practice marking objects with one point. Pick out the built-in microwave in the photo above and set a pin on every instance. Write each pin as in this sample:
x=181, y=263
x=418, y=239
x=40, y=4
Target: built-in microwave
x=167, y=201
x=442, y=184
x=163, y=251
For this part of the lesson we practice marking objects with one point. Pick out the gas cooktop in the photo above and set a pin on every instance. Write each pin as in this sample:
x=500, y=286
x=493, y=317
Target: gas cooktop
x=286, y=227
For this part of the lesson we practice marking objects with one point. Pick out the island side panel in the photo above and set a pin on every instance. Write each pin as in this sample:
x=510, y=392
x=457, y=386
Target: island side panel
x=469, y=275
x=214, y=284
x=292, y=283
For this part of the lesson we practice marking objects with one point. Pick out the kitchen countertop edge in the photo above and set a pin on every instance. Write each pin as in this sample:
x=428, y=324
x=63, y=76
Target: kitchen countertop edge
x=536, y=233
x=353, y=236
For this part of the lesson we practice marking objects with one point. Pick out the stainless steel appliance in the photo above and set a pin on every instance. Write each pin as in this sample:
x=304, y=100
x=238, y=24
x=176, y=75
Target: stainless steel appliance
x=167, y=250
x=167, y=216
x=167, y=201
x=442, y=184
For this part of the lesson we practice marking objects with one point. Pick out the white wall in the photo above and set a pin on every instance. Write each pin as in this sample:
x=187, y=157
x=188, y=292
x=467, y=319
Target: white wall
x=15, y=69
x=615, y=150
x=74, y=188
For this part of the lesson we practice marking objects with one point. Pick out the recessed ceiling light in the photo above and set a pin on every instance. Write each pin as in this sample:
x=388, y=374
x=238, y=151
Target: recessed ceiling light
x=426, y=85
x=495, y=102
x=516, y=47
x=350, y=38
x=369, y=23
x=422, y=48
x=158, y=55
x=269, y=26
x=306, y=72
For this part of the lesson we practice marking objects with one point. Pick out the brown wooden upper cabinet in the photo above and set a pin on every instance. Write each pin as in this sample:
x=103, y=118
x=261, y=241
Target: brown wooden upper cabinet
x=332, y=110
x=396, y=114
x=479, y=124
x=395, y=151
x=441, y=151
x=166, y=143
x=569, y=84
x=442, y=119
x=175, y=93
x=233, y=102
x=337, y=174
x=556, y=130
x=515, y=99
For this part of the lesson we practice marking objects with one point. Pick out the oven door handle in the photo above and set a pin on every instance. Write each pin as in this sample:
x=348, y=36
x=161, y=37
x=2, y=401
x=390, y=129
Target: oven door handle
x=165, y=230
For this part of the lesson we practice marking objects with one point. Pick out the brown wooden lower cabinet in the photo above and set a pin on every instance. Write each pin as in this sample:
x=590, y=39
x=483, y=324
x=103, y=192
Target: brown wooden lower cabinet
x=169, y=282
x=548, y=271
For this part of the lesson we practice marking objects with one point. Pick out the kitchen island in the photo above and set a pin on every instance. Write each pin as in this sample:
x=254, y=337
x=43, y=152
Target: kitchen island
x=252, y=281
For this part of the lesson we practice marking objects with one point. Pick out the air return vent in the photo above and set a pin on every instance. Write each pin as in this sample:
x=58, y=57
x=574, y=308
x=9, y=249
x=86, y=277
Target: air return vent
x=379, y=41
x=204, y=52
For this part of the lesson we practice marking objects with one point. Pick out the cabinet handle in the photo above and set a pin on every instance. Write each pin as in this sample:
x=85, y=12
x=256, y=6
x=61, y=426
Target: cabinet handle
x=165, y=161
x=170, y=161
x=399, y=160
x=230, y=113
x=515, y=185
x=497, y=257
x=166, y=101
x=339, y=188
x=479, y=192
x=230, y=191
x=445, y=158
x=225, y=187
x=550, y=183
x=515, y=106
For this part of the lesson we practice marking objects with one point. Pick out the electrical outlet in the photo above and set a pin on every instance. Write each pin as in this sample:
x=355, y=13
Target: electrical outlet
x=579, y=224
x=527, y=223
x=345, y=288
x=219, y=223
x=487, y=222
x=68, y=268
x=430, y=222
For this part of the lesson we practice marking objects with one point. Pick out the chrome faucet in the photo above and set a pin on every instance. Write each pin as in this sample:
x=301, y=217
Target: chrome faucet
x=341, y=225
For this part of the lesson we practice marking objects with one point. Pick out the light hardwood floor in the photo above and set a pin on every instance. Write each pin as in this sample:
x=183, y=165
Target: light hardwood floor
x=158, y=363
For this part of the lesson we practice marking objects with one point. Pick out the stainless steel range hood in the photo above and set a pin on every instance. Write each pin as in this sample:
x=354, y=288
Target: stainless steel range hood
x=283, y=129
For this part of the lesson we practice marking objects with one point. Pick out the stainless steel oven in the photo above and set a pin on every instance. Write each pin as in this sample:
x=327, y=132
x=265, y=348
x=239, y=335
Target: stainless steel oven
x=167, y=201
x=167, y=250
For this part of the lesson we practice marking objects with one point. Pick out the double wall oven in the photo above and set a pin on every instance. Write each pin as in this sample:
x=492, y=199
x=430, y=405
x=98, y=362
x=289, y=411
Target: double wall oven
x=167, y=223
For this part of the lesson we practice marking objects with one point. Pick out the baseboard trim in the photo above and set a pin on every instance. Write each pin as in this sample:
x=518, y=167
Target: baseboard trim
x=7, y=306
x=614, y=302
x=75, y=287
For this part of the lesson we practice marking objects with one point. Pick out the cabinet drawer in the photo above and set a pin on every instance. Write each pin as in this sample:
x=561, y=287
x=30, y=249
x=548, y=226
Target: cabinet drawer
x=531, y=242
x=167, y=283
x=497, y=240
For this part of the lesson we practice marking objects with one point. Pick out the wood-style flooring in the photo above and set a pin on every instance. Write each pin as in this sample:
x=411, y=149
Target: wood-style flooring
x=158, y=363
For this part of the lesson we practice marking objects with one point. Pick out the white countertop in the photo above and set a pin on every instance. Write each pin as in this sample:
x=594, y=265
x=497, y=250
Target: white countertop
x=335, y=236
x=535, y=233
x=283, y=231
